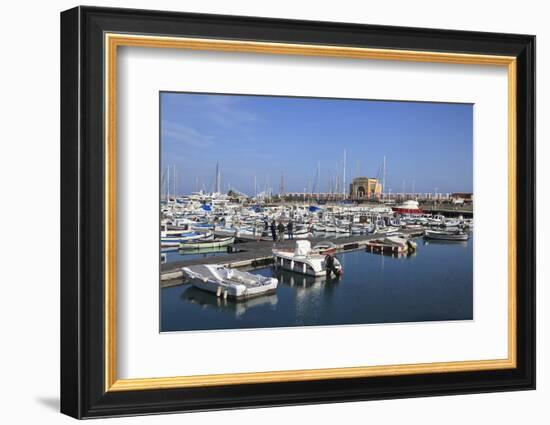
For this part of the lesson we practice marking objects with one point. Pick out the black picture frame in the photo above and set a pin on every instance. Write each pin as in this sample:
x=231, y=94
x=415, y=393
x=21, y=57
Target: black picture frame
x=82, y=212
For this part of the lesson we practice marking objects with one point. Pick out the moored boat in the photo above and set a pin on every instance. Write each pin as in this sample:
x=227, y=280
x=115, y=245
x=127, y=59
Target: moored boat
x=229, y=283
x=388, y=230
x=408, y=207
x=303, y=259
x=395, y=244
x=444, y=235
x=207, y=243
x=176, y=240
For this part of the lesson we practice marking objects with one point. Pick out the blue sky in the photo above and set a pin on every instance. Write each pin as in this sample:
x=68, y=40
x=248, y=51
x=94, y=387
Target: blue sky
x=425, y=144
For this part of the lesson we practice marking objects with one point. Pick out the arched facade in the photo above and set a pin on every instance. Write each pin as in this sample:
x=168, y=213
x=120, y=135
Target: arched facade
x=365, y=188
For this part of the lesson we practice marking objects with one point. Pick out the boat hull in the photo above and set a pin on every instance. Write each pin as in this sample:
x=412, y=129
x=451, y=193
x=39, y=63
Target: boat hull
x=207, y=244
x=232, y=292
x=446, y=237
x=229, y=283
x=311, y=266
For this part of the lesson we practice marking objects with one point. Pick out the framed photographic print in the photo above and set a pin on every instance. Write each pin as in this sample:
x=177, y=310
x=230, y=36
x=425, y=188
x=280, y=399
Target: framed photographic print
x=261, y=212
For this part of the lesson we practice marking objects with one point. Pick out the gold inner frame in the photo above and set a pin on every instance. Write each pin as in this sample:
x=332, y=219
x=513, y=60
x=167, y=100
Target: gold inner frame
x=113, y=41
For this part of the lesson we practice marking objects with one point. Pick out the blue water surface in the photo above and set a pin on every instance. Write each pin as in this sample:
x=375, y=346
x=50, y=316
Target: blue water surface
x=434, y=284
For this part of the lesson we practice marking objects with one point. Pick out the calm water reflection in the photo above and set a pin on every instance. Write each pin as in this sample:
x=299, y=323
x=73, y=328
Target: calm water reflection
x=192, y=254
x=434, y=284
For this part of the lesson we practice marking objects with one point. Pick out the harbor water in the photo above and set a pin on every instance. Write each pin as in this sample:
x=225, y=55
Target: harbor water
x=433, y=284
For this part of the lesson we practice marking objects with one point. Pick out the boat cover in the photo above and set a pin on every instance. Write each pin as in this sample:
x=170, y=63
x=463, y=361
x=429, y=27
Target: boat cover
x=302, y=248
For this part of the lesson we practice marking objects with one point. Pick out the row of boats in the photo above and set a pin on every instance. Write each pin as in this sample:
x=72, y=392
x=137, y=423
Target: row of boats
x=192, y=240
x=232, y=283
x=191, y=227
x=304, y=259
x=210, y=232
x=317, y=261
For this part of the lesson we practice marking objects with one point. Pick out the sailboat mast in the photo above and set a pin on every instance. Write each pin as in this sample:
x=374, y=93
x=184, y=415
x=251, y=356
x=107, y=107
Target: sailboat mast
x=384, y=175
x=168, y=184
x=218, y=189
x=344, y=177
x=318, y=179
x=175, y=182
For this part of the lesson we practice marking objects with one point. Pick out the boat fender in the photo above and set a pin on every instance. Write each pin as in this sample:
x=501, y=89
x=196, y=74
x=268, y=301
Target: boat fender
x=219, y=291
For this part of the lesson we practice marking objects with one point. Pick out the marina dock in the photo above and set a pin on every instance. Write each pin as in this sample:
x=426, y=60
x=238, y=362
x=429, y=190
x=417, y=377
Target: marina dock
x=255, y=253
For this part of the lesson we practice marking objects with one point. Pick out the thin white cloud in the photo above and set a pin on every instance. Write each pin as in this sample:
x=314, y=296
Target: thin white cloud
x=186, y=136
x=225, y=110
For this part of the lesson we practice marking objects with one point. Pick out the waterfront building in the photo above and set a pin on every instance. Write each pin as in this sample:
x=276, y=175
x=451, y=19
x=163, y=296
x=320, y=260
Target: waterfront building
x=462, y=197
x=365, y=188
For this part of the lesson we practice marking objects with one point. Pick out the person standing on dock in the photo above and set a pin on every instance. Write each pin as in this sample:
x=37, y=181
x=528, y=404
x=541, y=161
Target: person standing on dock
x=273, y=231
x=281, y=229
x=290, y=228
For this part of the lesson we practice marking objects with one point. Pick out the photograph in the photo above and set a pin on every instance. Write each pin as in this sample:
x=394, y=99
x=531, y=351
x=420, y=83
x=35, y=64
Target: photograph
x=285, y=211
x=289, y=209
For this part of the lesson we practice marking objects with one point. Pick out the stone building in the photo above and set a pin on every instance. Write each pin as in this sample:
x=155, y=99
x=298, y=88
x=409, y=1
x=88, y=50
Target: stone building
x=365, y=188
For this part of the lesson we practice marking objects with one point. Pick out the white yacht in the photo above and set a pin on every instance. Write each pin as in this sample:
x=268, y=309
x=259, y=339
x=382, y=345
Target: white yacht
x=304, y=260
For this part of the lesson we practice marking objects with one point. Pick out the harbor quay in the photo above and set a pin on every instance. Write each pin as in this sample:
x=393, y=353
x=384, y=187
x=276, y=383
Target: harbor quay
x=390, y=267
x=255, y=253
x=221, y=231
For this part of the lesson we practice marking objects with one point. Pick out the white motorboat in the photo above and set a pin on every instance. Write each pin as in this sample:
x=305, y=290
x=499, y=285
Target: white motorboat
x=299, y=234
x=304, y=260
x=408, y=207
x=388, y=230
x=436, y=220
x=444, y=235
x=451, y=223
x=229, y=283
x=319, y=227
x=342, y=229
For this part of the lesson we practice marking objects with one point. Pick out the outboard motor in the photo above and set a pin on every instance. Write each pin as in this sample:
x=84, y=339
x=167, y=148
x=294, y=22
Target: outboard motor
x=333, y=266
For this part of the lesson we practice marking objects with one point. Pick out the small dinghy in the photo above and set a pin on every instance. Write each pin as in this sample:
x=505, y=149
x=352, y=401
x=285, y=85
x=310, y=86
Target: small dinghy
x=229, y=283
x=388, y=230
x=207, y=243
x=174, y=241
x=305, y=260
x=443, y=235
x=395, y=244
